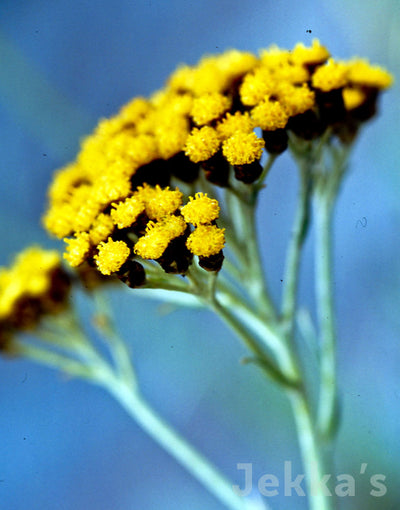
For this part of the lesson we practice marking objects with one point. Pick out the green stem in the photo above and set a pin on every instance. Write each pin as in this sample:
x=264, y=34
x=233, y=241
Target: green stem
x=280, y=366
x=244, y=223
x=310, y=452
x=300, y=226
x=116, y=345
x=73, y=367
x=99, y=372
x=327, y=405
x=197, y=465
x=259, y=185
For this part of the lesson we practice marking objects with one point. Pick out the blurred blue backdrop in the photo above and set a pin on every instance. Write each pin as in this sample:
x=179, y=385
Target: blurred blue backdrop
x=65, y=444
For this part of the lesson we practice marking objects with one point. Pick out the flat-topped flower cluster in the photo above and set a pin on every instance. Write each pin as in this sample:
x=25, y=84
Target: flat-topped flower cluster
x=114, y=204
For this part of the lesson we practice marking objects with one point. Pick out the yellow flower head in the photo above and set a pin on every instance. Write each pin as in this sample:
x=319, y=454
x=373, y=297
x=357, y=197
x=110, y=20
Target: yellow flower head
x=231, y=124
x=111, y=187
x=101, y=229
x=206, y=240
x=159, y=202
x=158, y=236
x=209, y=107
x=363, y=74
x=77, y=249
x=270, y=115
x=256, y=87
x=86, y=215
x=127, y=212
x=135, y=110
x=295, y=100
x=330, y=76
x=201, y=209
x=236, y=63
x=57, y=220
x=290, y=73
x=314, y=55
x=353, y=97
x=243, y=148
x=202, y=144
x=274, y=57
x=169, y=102
x=31, y=276
x=171, y=133
x=64, y=182
x=111, y=256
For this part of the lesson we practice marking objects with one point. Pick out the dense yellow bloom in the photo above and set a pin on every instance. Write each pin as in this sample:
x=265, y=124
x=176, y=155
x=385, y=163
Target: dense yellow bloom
x=296, y=100
x=209, y=107
x=86, y=215
x=274, y=57
x=159, y=202
x=101, y=229
x=231, y=124
x=64, y=181
x=111, y=256
x=57, y=220
x=206, y=240
x=127, y=212
x=316, y=54
x=290, y=73
x=243, y=148
x=30, y=279
x=135, y=110
x=158, y=236
x=170, y=103
x=171, y=135
x=77, y=249
x=330, y=76
x=200, y=209
x=270, y=115
x=119, y=189
x=361, y=73
x=256, y=87
x=213, y=73
x=202, y=144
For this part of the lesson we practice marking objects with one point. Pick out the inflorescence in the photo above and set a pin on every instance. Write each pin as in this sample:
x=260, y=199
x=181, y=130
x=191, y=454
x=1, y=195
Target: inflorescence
x=115, y=206
x=33, y=286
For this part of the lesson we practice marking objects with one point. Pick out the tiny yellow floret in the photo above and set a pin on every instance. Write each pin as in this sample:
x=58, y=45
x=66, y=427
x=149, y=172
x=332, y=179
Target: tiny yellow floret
x=363, y=74
x=158, y=236
x=29, y=276
x=77, y=249
x=101, y=229
x=206, y=240
x=256, y=87
x=270, y=115
x=353, y=97
x=171, y=135
x=314, y=55
x=209, y=107
x=243, y=148
x=162, y=202
x=127, y=212
x=231, y=124
x=111, y=256
x=330, y=76
x=202, y=144
x=295, y=100
x=201, y=209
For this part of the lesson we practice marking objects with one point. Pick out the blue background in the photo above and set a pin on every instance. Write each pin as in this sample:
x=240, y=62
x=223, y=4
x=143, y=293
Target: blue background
x=65, y=444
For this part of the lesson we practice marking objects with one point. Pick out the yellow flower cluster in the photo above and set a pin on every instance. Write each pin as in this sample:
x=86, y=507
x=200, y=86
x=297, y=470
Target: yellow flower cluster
x=218, y=116
x=33, y=285
x=151, y=223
